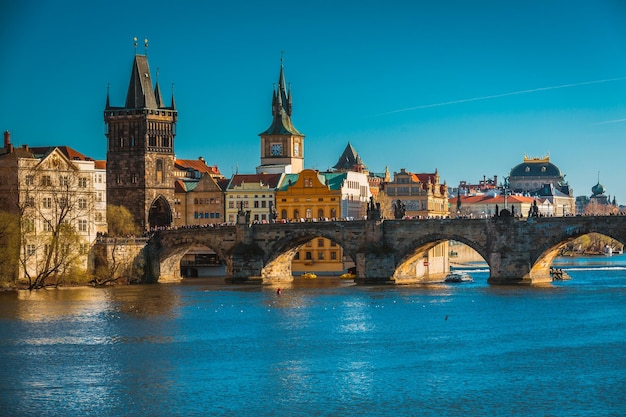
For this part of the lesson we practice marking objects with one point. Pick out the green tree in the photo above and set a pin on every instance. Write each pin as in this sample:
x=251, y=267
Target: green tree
x=121, y=222
x=9, y=248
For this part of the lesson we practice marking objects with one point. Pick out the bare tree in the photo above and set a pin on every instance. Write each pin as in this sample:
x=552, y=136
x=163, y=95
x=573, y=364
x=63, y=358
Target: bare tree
x=54, y=205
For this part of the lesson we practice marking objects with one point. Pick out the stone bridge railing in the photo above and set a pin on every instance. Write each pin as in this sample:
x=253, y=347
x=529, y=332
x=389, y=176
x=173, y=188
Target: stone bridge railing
x=518, y=251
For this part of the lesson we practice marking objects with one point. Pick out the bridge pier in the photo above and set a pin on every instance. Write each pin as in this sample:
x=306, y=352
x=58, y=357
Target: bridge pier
x=375, y=268
x=514, y=268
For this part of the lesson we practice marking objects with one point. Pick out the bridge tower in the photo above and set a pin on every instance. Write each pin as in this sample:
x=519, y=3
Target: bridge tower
x=140, y=149
x=282, y=146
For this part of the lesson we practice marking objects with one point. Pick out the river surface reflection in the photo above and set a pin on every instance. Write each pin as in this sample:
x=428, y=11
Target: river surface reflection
x=322, y=347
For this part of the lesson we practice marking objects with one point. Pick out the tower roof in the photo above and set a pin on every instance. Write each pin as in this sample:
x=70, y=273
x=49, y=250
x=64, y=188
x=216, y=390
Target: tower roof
x=350, y=160
x=281, y=109
x=140, y=93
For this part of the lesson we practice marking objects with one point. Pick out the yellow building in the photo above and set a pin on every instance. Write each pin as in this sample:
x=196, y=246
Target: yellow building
x=315, y=196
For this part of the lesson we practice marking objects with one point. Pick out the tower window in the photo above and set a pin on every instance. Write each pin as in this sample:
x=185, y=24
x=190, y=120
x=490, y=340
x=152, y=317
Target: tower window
x=160, y=172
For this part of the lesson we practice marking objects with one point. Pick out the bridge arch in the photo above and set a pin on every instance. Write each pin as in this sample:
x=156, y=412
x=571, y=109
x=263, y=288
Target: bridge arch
x=548, y=250
x=408, y=268
x=170, y=247
x=280, y=254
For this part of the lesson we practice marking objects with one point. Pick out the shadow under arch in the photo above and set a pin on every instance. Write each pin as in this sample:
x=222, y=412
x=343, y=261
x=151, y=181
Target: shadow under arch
x=411, y=269
x=160, y=213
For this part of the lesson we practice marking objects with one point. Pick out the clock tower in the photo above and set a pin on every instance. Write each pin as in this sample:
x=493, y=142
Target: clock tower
x=282, y=146
x=140, y=150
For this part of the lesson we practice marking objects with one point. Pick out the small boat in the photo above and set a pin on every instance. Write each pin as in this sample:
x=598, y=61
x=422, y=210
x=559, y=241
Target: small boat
x=347, y=275
x=458, y=277
x=308, y=275
x=558, y=274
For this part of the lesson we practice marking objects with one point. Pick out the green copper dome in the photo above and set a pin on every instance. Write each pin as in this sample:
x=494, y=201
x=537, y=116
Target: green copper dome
x=597, y=189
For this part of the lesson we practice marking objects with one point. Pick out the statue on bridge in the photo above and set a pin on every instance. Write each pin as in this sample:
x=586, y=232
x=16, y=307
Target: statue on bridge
x=243, y=216
x=373, y=210
x=399, y=209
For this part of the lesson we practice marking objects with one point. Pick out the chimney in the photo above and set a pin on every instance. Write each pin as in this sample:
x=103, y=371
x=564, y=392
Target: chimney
x=7, y=142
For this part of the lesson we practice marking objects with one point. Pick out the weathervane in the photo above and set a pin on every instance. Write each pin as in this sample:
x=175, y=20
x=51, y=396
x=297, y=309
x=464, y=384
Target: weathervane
x=135, y=42
x=145, y=44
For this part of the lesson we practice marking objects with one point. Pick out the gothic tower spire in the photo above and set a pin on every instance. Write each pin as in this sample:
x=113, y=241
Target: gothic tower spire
x=282, y=145
x=140, y=150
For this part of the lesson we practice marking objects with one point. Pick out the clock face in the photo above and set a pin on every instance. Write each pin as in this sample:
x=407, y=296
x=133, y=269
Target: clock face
x=277, y=149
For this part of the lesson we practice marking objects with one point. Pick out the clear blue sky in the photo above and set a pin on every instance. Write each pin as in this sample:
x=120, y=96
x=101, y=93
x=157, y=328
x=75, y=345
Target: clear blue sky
x=467, y=87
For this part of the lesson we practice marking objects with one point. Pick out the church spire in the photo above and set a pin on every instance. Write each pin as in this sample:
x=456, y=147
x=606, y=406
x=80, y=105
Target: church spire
x=281, y=108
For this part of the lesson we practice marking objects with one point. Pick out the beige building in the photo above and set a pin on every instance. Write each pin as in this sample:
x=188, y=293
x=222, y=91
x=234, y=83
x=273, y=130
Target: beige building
x=419, y=195
x=198, y=195
x=55, y=192
x=255, y=194
x=538, y=177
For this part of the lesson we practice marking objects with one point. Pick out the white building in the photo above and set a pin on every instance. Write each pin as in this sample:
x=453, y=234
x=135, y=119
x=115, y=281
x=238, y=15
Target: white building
x=55, y=192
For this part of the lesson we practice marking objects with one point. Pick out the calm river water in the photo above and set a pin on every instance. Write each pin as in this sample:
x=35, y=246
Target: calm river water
x=322, y=348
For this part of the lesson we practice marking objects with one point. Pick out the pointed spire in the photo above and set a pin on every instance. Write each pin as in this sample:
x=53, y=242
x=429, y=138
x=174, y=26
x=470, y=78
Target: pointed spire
x=108, y=105
x=173, y=106
x=140, y=93
x=281, y=107
x=157, y=95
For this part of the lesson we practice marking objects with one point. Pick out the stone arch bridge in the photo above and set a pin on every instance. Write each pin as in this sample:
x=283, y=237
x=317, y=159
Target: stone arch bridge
x=518, y=251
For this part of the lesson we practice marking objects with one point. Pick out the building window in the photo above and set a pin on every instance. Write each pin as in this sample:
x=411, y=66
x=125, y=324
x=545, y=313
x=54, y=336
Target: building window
x=308, y=256
x=47, y=226
x=320, y=213
x=47, y=202
x=308, y=213
x=82, y=182
x=283, y=214
x=30, y=250
x=256, y=204
x=82, y=225
x=160, y=171
x=296, y=256
x=46, y=181
x=30, y=180
x=333, y=243
x=333, y=256
x=320, y=256
x=320, y=243
x=29, y=225
x=82, y=203
x=99, y=196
